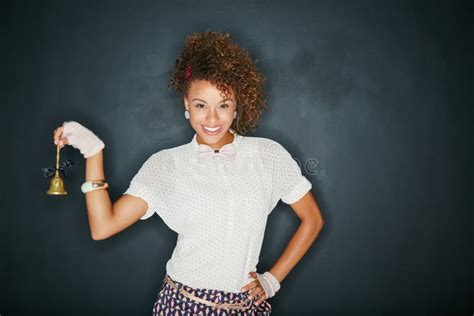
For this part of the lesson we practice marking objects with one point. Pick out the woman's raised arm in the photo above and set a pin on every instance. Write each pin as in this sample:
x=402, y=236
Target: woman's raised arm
x=105, y=219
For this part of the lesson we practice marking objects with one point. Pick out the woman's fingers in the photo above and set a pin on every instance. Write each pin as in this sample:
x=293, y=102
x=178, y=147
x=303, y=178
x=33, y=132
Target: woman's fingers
x=63, y=142
x=250, y=286
x=256, y=289
x=58, y=140
x=261, y=299
x=57, y=134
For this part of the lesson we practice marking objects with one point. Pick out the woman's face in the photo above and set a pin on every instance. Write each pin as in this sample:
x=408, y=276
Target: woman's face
x=209, y=114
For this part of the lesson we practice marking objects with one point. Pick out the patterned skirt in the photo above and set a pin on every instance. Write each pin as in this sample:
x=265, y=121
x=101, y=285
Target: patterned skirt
x=176, y=298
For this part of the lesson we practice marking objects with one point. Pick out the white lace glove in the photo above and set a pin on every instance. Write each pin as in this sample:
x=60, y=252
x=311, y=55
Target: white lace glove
x=81, y=138
x=269, y=283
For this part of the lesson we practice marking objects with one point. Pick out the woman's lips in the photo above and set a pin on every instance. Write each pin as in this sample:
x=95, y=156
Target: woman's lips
x=211, y=133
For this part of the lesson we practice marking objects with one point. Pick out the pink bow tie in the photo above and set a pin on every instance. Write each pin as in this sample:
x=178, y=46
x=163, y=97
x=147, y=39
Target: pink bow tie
x=227, y=151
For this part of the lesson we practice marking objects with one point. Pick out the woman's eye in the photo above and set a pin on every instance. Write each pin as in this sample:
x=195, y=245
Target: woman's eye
x=225, y=105
x=199, y=105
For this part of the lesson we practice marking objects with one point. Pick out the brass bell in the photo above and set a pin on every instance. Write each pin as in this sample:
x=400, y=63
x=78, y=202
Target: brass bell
x=56, y=185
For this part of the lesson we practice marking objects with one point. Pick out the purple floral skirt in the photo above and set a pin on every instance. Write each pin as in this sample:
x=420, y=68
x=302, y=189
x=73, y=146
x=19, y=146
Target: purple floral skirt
x=172, y=301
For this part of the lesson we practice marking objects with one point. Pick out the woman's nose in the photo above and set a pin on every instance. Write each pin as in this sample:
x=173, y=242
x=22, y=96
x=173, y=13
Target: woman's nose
x=212, y=116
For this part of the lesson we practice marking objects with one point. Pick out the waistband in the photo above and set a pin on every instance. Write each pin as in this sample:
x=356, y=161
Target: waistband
x=181, y=290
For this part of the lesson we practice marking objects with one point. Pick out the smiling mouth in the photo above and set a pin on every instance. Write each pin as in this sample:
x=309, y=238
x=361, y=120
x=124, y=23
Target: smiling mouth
x=211, y=130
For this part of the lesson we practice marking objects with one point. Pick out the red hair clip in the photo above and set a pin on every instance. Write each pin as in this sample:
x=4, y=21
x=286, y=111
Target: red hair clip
x=188, y=72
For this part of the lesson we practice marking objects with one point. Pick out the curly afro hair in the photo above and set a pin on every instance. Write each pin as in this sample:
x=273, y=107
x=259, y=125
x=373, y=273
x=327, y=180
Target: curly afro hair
x=214, y=57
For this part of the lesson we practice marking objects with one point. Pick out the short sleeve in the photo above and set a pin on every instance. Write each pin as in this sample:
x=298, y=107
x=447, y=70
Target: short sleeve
x=153, y=183
x=288, y=182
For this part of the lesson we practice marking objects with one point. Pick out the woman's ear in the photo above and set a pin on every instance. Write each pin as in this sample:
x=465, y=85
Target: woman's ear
x=185, y=100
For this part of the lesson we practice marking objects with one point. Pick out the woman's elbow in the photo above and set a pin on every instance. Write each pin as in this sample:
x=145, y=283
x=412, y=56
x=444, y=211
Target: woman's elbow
x=99, y=235
x=317, y=222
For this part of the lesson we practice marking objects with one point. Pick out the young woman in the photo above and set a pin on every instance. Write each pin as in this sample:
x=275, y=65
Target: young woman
x=215, y=191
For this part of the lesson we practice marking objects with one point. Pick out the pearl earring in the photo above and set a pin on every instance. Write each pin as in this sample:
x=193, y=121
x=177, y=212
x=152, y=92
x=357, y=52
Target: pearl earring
x=235, y=115
x=186, y=114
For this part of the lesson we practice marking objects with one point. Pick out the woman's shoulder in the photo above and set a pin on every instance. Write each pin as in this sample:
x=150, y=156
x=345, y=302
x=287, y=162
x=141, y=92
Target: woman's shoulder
x=257, y=140
x=174, y=156
x=263, y=145
x=166, y=154
x=271, y=152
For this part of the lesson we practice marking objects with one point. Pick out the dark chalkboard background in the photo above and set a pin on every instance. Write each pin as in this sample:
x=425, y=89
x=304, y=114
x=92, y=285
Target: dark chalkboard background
x=371, y=97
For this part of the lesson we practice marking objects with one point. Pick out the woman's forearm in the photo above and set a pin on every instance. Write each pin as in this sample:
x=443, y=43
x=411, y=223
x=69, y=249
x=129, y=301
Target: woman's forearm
x=299, y=244
x=99, y=205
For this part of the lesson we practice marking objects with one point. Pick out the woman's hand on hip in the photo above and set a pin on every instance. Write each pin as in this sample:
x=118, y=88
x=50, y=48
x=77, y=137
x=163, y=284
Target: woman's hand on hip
x=255, y=289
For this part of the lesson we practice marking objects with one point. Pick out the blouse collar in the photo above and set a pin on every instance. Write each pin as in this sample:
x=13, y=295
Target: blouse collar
x=195, y=145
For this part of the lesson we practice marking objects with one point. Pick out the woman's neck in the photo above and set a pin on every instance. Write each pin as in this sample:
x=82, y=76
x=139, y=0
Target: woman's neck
x=226, y=139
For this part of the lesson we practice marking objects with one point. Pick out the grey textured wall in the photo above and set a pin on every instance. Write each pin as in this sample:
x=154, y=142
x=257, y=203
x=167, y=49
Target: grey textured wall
x=371, y=97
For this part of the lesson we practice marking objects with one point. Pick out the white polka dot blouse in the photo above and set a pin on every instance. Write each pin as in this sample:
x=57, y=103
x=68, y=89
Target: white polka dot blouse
x=218, y=206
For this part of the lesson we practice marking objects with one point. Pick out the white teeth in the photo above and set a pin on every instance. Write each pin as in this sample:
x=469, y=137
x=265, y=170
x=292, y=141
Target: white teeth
x=211, y=129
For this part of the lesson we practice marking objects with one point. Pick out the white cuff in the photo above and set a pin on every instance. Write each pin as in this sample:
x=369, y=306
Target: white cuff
x=93, y=185
x=269, y=283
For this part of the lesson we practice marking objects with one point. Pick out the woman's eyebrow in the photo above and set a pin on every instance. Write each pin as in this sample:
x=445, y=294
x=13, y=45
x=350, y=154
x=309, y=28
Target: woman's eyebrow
x=206, y=102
